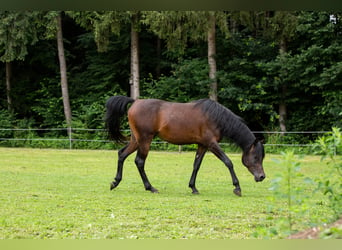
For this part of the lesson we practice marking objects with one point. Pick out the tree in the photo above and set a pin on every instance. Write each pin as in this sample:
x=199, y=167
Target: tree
x=279, y=27
x=17, y=31
x=253, y=65
x=52, y=22
x=106, y=23
x=211, y=56
x=63, y=70
x=8, y=85
x=135, y=76
x=319, y=67
x=282, y=30
x=180, y=27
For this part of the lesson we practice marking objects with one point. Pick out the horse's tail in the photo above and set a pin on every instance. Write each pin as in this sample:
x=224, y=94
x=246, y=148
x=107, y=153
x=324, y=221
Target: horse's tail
x=116, y=107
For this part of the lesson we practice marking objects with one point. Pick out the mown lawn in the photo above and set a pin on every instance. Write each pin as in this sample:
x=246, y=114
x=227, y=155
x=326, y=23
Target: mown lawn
x=60, y=194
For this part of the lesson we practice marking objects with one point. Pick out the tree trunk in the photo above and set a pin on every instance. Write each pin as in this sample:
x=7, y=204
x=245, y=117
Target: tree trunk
x=211, y=58
x=282, y=103
x=134, y=81
x=8, y=85
x=282, y=117
x=233, y=25
x=63, y=70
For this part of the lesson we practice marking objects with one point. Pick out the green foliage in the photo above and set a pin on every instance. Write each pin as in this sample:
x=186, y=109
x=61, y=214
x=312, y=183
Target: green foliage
x=48, y=24
x=250, y=72
x=6, y=122
x=334, y=232
x=102, y=23
x=48, y=104
x=17, y=31
x=330, y=145
x=177, y=27
x=98, y=74
x=330, y=182
x=89, y=116
x=242, y=82
x=275, y=25
x=189, y=76
x=292, y=186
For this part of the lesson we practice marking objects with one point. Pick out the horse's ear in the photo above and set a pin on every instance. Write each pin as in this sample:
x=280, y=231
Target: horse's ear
x=255, y=141
x=258, y=140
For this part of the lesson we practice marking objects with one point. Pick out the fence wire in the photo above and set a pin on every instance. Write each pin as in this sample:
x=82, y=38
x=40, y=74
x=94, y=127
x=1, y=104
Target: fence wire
x=73, y=135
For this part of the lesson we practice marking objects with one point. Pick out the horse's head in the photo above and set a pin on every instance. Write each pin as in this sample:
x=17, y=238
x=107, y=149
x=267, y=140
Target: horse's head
x=252, y=159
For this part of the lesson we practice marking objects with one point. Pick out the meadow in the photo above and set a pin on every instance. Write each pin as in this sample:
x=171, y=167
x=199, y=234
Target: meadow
x=64, y=194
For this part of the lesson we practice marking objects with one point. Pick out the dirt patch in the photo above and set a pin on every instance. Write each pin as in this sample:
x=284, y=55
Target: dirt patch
x=313, y=233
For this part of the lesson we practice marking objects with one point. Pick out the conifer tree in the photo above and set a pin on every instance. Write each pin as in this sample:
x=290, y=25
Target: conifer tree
x=17, y=32
x=180, y=27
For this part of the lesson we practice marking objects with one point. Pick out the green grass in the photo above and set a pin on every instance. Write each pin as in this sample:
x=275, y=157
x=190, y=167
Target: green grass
x=59, y=194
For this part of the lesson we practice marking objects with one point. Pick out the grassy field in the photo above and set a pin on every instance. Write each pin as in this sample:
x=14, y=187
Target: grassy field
x=62, y=194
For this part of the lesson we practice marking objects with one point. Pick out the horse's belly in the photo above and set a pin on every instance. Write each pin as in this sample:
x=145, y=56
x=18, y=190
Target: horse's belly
x=181, y=134
x=182, y=124
x=177, y=139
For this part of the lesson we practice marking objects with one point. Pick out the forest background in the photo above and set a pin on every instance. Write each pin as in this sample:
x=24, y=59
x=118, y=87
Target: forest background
x=279, y=70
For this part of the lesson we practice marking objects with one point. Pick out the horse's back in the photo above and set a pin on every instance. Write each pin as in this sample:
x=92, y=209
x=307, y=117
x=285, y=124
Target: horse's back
x=158, y=112
x=146, y=109
x=178, y=123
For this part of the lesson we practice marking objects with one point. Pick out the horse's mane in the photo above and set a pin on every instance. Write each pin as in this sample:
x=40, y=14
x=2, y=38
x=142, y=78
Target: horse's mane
x=229, y=124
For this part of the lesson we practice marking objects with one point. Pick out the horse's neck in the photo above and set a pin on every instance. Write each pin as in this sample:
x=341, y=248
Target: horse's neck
x=243, y=137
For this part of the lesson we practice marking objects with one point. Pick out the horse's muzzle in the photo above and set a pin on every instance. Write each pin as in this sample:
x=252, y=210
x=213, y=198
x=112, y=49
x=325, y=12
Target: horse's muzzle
x=259, y=178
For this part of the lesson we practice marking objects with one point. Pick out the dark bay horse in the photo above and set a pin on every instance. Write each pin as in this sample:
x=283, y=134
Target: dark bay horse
x=203, y=122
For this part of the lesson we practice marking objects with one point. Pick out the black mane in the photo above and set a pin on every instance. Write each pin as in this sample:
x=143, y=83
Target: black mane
x=229, y=124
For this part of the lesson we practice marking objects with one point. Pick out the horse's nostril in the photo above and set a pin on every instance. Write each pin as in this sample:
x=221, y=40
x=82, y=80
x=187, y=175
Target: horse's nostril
x=259, y=178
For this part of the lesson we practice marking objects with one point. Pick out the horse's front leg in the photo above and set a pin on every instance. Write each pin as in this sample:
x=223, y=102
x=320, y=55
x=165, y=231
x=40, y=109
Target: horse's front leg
x=197, y=163
x=216, y=149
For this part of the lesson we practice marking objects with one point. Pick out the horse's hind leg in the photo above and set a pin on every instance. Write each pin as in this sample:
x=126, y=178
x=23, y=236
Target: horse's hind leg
x=122, y=155
x=197, y=163
x=140, y=162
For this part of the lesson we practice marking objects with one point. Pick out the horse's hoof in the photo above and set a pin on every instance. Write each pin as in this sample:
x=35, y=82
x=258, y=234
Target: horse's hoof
x=195, y=192
x=153, y=190
x=112, y=186
x=237, y=192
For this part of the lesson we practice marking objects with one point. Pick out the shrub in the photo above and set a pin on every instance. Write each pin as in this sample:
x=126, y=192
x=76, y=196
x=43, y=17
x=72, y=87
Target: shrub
x=6, y=122
x=330, y=182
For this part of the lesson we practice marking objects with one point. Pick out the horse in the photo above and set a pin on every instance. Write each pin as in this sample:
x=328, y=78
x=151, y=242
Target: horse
x=203, y=122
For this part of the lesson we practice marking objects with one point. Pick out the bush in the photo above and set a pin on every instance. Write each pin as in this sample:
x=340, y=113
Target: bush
x=6, y=122
x=189, y=76
x=285, y=187
x=330, y=183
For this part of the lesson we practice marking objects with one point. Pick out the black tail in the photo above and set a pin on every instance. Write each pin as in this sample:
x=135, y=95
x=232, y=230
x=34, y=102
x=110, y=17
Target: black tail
x=116, y=107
